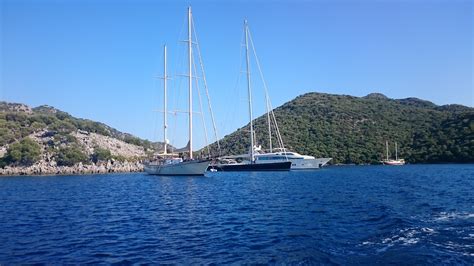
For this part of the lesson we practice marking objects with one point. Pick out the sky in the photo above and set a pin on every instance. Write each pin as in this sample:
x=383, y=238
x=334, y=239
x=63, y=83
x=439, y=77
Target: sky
x=99, y=59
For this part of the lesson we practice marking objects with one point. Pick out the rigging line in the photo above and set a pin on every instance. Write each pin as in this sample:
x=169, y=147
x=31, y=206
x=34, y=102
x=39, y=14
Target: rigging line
x=231, y=113
x=155, y=129
x=178, y=86
x=249, y=90
x=177, y=93
x=155, y=126
x=173, y=133
x=279, y=138
x=179, y=66
x=200, y=109
x=206, y=88
x=269, y=123
x=183, y=27
x=266, y=91
x=155, y=88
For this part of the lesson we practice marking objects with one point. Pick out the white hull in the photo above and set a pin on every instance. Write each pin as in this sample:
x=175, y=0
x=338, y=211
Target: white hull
x=394, y=162
x=298, y=161
x=309, y=163
x=304, y=164
x=184, y=168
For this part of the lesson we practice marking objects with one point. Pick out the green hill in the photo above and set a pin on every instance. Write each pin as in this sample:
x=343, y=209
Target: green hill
x=18, y=121
x=354, y=129
x=28, y=135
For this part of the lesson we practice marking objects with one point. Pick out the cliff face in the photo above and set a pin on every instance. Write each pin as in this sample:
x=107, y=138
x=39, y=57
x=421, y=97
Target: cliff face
x=354, y=129
x=45, y=140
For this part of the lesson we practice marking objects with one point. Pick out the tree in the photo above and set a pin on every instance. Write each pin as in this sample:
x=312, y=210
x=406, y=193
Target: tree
x=25, y=152
x=69, y=156
x=354, y=130
x=101, y=154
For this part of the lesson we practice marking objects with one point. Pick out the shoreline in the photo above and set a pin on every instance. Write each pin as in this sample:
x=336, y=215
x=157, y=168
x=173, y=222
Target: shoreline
x=44, y=169
x=127, y=167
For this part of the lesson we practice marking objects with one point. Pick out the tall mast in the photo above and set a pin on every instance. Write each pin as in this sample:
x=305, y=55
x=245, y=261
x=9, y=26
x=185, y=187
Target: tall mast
x=165, y=113
x=396, y=152
x=190, y=61
x=386, y=148
x=252, y=157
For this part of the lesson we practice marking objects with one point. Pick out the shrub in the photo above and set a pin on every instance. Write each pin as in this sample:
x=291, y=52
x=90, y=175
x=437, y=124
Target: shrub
x=37, y=125
x=6, y=136
x=25, y=152
x=119, y=158
x=69, y=156
x=62, y=126
x=101, y=154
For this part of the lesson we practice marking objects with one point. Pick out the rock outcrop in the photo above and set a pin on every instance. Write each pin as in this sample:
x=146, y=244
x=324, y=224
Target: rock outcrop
x=50, y=168
x=47, y=165
x=116, y=147
x=15, y=107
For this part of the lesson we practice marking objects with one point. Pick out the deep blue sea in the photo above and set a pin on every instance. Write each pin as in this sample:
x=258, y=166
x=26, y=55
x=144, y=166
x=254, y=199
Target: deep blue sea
x=414, y=214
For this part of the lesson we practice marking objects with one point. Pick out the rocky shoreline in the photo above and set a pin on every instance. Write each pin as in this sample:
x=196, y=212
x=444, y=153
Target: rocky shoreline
x=51, y=169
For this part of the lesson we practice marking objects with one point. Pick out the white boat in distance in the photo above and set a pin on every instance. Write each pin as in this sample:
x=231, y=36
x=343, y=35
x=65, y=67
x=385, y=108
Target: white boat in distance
x=171, y=164
x=388, y=161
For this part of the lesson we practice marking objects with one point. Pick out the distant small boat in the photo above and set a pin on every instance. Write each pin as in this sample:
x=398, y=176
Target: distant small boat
x=395, y=161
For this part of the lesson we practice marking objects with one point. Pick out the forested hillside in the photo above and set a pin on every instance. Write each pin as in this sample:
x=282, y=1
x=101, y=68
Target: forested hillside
x=354, y=129
x=28, y=135
x=348, y=129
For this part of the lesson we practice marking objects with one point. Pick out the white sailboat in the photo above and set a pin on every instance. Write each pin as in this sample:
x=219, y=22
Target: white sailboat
x=388, y=161
x=170, y=164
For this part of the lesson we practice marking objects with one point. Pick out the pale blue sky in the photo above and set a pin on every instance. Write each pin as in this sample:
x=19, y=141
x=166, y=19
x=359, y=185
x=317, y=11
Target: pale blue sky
x=97, y=59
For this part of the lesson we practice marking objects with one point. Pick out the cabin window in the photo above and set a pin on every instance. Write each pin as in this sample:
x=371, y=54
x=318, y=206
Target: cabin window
x=268, y=158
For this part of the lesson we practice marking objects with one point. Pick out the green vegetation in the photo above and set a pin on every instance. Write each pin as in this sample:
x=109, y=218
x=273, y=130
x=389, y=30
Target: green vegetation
x=68, y=156
x=101, y=154
x=24, y=152
x=139, y=142
x=18, y=121
x=15, y=125
x=348, y=129
x=354, y=130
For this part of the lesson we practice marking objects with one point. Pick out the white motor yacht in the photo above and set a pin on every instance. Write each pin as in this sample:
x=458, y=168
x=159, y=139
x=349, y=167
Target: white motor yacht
x=298, y=161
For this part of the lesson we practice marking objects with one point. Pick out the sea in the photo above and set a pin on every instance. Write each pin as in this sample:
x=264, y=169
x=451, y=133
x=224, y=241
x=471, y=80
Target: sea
x=341, y=215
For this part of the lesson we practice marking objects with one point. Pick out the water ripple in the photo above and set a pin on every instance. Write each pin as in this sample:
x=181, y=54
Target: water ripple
x=341, y=215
